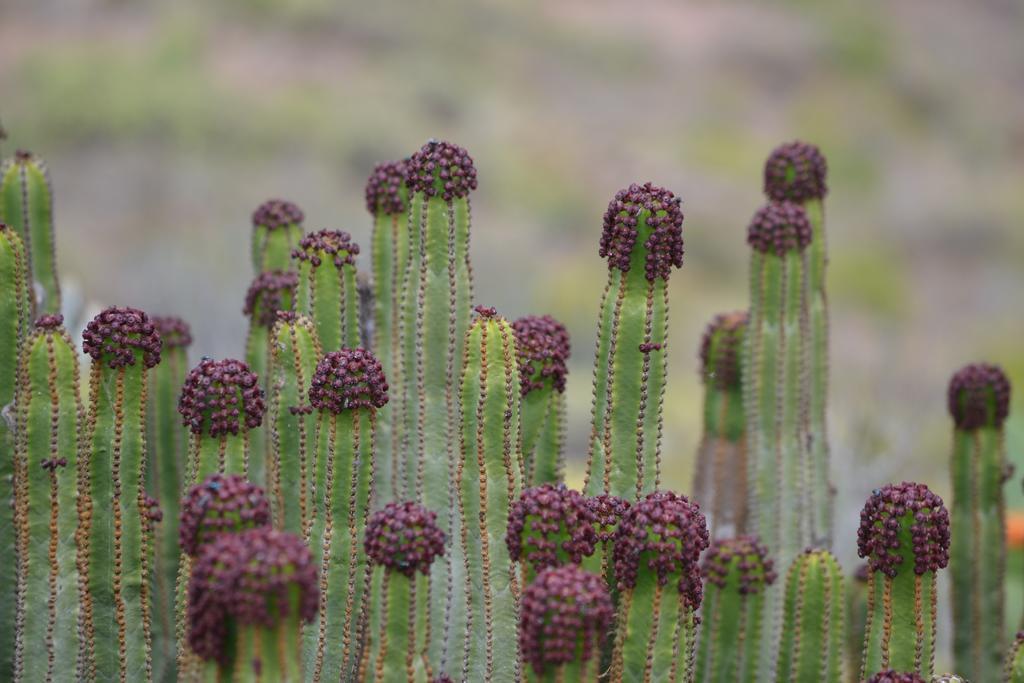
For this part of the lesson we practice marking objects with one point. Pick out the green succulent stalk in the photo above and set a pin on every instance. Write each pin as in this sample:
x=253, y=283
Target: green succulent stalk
x=26, y=204
x=276, y=231
x=813, y=620
x=327, y=290
x=49, y=413
x=1013, y=669
x=856, y=620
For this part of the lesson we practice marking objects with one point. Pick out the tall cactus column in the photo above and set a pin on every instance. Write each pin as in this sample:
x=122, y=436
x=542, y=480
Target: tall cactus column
x=979, y=399
x=813, y=620
x=276, y=231
x=326, y=261
x=643, y=242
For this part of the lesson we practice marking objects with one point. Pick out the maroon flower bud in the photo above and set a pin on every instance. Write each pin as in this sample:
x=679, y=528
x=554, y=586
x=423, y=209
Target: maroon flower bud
x=117, y=334
x=222, y=504
x=174, y=332
x=550, y=525
x=979, y=396
x=720, y=350
x=404, y=537
x=542, y=349
x=664, y=246
x=564, y=614
x=276, y=213
x=887, y=513
x=269, y=293
x=384, y=188
x=890, y=676
x=779, y=227
x=348, y=379
x=486, y=311
x=220, y=397
x=336, y=244
x=50, y=322
x=756, y=569
x=151, y=509
x=441, y=168
x=608, y=511
x=795, y=172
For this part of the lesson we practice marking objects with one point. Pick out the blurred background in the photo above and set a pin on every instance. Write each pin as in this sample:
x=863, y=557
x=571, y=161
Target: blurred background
x=165, y=125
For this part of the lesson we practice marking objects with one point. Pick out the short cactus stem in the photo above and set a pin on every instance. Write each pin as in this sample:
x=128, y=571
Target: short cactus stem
x=1013, y=668
x=643, y=242
x=979, y=397
x=26, y=204
x=736, y=572
x=813, y=635
x=542, y=348
x=658, y=544
x=276, y=231
x=113, y=512
x=347, y=389
x=720, y=482
x=48, y=413
x=904, y=534
x=327, y=291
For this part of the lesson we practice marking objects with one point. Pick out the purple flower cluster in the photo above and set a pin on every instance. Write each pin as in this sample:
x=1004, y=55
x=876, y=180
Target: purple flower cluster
x=276, y=213
x=441, y=168
x=337, y=244
x=348, y=379
x=564, y=615
x=384, y=188
x=542, y=349
x=660, y=210
x=795, y=171
x=608, y=511
x=223, y=503
x=890, y=676
x=404, y=537
x=779, y=227
x=756, y=570
x=50, y=322
x=979, y=396
x=220, y=396
x=723, y=337
x=269, y=293
x=883, y=519
x=550, y=525
x=174, y=332
x=151, y=509
x=117, y=334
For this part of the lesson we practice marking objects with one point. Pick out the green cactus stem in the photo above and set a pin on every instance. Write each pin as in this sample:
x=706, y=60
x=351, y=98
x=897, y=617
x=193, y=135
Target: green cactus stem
x=26, y=204
x=904, y=534
x=720, y=481
x=736, y=572
x=276, y=231
x=856, y=619
x=979, y=399
x=49, y=412
x=113, y=511
x=327, y=289
x=643, y=242
x=347, y=389
x=658, y=544
x=542, y=350
x=1013, y=669
x=813, y=635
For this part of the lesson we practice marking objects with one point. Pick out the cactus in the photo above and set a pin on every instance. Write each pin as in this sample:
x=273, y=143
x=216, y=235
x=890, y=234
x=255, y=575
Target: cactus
x=347, y=389
x=26, y=204
x=542, y=350
x=276, y=231
x=658, y=543
x=736, y=572
x=856, y=619
x=49, y=412
x=327, y=287
x=904, y=534
x=1013, y=669
x=720, y=481
x=114, y=529
x=813, y=621
x=550, y=526
x=642, y=241
x=979, y=398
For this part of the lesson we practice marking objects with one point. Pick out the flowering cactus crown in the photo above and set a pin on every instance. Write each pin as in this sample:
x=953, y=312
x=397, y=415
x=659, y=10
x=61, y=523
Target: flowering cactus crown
x=721, y=348
x=50, y=322
x=889, y=515
x=542, y=349
x=269, y=293
x=385, y=189
x=778, y=228
x=404, y=537
x=550, y=525
x=118, y=335
x=795, y=172
x=979, y=396
x=608, y=511
x=221, y=397
x=660, y=210
x=276, y=213
x=336, y=245
x=755, y=569
x=441, y=168
x=174, y=332
x=348, y=379
x=890, y=676
x=223, y=503
x=564, y=616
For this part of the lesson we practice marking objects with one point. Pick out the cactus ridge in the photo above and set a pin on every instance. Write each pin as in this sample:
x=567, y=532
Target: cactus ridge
x=1013, y=669
x=795, y=171
x=720, y=350
x=979, y=395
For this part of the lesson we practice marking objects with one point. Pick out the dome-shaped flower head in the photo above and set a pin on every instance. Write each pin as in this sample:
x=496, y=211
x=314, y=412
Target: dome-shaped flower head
x=174, y=332
x=563, y=618
x=334, y=245
x=720, y=350
x=660, y=212
x=441, y=168
x=404, y=537
x=608, y=512
x=270, y=292
x=904, y=520
x=222, y=504
x=663, y=533
x=754, y=568
x=276, y=213
x=778, y=228
x=120, y=336
x=221, y=397
x=385, y=189
x=795, y=172
x=979, y=396
x=542, y=349
x=348, y=379
x=53, y=321
x=890, y=676
x=151, y=509
x=550, y=525
x=255, y=578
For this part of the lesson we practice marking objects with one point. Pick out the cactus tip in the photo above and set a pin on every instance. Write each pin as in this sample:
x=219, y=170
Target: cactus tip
x=174, y=332
x=547, y=522
x=663, y=216
x=334, y=243
x=50, y=322
x=223, y=503
x=117, y=334
x=384, y=188
x=756, y=569
x=441, y=168
x=348, y=379
x=779, y=227
x=795, y=171
x=880, y=526
x=404, y=537
x=266, y=294
x=486, y=312
x=220, y=396
x=276, y=213
x=720, y=349
x=979, y=396
x=542, y=349
x=890, y=676
x=23, y=156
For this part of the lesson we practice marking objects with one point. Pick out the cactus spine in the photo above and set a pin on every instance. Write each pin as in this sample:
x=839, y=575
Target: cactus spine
x=276, y=231
x=813, y=621
x=49, y=412
x=327, y=287
x=979, y=399
x=26, y=204
x=1013, y=669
